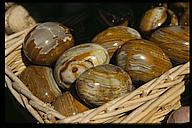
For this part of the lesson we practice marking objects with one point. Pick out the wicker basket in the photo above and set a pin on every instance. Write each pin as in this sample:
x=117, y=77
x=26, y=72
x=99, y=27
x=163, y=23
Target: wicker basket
x=150, y=103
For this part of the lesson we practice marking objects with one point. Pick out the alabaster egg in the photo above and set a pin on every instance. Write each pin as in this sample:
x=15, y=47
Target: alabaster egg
x=174, y=41
x=113, y=37
x=40, y=81
x=45, y=43
x=67, y=105
x=143, y=60
x=76, y=60
x=103, y=83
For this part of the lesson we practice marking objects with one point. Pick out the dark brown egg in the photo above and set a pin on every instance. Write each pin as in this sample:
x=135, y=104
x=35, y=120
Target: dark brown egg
x=153, y=18
x=143, y=60
x=182, y=115
x=40, y=81
x=103, y=83
x=67, y=105
x=174, y=41
x=157, y=17
x=45, y=43
x=113, y=37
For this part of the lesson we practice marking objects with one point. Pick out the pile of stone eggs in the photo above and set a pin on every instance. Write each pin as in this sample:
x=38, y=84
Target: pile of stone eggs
x=59, y=68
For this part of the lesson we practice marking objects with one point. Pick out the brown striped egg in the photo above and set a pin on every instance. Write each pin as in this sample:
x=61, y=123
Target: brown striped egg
x=76, y=60
x=156, y=17
x=174, y=41
x=143, y=60
x=40, y=81
x=45, y=43
x=103, y=83
x=113, y=37
x=67, y=105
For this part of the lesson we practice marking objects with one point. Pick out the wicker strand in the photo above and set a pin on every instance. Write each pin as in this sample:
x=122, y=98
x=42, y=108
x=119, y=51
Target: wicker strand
x=158, y=120
x=31, y=110
x=22, y=100
x=167, y=110
x=10, y=37
x=168, y=93
x=119, y=120
x=51, y=118
x=12, y=56
x=108, y=119
x=167, y=84
x=114, y=118
x=46, y=110
x=15, y=94
x=158, y=116
x=142, y=99
x=143, y=120
x=10, y=49
x=13, y=41
x=130, y=95
x=186, y=71
x=180, y=70
x=30, y=96
x=21, y=87
x=117, y=112
x=162, y=77
x=155, y=114
x=168, y=101
x=102, y=120
x=137, y=111
x=74, y=117
x=79, y=116
x=171, y=106
x=87, y=117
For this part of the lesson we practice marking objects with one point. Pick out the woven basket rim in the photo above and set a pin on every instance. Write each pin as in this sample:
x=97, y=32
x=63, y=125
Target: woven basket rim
x=46, y=114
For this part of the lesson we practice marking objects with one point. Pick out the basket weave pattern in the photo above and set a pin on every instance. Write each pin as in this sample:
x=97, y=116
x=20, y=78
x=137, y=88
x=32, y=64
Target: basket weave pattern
x=150, y=103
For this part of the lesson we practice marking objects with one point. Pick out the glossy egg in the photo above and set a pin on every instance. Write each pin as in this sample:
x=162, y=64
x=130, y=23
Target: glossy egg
x=45, y=43
x=76, y=60
x=113, y=37
x=67, y=105
x=174, y=41
x=182, y=115
x=103, y=83
x=156, y=17
x=143, y=60
x=153, y=18
x=40, y=81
